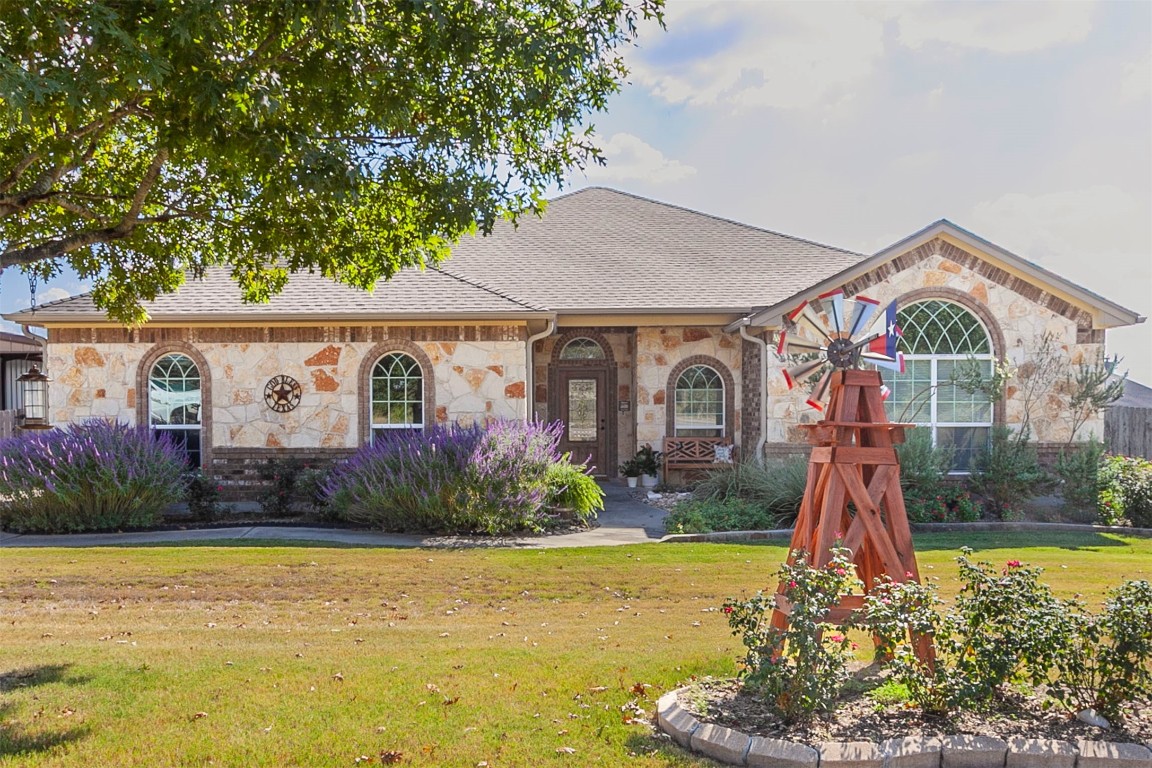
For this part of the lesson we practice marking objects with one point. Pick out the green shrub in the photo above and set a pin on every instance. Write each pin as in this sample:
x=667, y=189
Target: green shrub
x=1007, y=472
x=570, y=486
x=776, y=487
x=801, y=669
x=923, y=466
x=1003, y=625
x=731, y=514
x=1126, y=491
x=950, y=503
x=1108, y=663
x=279, y=492
x=203, y=496
x=310, y=493
x=94, y=476
x=1079, y=473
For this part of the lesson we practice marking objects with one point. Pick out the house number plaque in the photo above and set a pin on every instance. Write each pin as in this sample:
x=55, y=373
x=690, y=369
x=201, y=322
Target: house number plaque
x=282, y=393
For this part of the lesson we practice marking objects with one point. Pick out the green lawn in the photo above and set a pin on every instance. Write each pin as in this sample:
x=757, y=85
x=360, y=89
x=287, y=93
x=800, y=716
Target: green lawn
x=286, y=656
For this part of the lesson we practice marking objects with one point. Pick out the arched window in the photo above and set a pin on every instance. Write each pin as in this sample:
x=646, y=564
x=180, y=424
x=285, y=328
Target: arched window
x=175, y=400
x=699, y=408
x=946, y=351
x=397, y=393
x=582, y=348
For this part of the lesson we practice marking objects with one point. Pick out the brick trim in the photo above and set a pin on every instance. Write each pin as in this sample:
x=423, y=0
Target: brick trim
x=729, y=393
x=144, y=374
x=364, y=383
x=563, y=339
x=335, y=334
x=940, y=247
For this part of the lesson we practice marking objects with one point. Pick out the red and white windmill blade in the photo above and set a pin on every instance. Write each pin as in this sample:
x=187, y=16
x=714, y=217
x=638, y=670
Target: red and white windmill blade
x=822, y=328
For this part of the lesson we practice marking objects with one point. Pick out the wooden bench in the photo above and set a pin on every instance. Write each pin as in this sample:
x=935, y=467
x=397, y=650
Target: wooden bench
x=693, y=453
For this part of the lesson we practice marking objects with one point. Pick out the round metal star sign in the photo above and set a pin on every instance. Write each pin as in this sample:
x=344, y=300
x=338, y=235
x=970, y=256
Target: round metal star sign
x=282, y=393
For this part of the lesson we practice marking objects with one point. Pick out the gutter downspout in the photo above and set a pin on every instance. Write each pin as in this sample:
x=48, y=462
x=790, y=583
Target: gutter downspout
x=763, y=389
x=530, y=371
x=43, y=342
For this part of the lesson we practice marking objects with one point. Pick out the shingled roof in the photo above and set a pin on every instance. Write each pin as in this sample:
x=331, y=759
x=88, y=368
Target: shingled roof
x=411, y=294
x=594, y=251
x=600, y=250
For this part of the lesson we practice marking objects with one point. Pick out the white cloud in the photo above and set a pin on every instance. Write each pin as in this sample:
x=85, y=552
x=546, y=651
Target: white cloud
x=783, y=55
x=1136, y=83
x=1000, y=27
x=631, y=159
x=51, y=294
x=1076, y=223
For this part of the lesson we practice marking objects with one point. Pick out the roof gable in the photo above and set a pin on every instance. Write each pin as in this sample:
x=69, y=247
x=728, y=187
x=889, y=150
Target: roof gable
x=990, y=260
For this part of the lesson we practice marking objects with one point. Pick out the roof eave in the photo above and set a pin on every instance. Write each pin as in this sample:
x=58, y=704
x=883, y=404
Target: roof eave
x=100, y=319
x=1112, y=314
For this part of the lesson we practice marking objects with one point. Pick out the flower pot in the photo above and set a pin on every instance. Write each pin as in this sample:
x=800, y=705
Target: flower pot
x=648, y=481
x=632, y=482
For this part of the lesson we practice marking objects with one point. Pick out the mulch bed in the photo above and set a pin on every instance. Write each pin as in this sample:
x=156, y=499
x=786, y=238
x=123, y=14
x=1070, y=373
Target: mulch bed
x=859, y=718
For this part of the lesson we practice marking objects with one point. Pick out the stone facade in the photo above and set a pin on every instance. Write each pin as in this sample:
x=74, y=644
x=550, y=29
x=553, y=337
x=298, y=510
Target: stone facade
x=471, y=380
x=1016, y=314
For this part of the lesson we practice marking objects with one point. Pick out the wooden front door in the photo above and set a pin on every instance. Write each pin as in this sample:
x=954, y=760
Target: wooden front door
x=583, y=396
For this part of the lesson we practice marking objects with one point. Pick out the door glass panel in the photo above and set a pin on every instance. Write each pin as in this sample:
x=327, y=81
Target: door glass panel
x=581, y=410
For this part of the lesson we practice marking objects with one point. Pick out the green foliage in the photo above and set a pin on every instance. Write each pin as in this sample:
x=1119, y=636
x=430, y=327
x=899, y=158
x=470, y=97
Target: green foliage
x=950, y=504
x=1108, y=662
x=203, y=496
x=631, y=468
x=648, y=460
x=570, y=486
x=1079, y=473
x=776, y=488
x=141, y=140
x=1003, y=624
x=1092, y=387
x=731, y=514
x=1126, y=491
x=799, y=670
x=923, y=466
x=280, y=477
x=94, y=476
x=310, y=492
x=1007, y=472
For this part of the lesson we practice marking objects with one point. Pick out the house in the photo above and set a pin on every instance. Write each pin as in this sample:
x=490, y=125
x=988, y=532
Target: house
x=626, y=318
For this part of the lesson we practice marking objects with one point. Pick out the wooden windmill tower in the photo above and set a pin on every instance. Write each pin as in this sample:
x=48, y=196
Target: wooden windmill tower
x=852, y=494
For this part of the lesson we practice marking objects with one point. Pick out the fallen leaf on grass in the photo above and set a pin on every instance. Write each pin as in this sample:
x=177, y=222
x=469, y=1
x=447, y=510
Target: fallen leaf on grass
x=391, y=757
x=565, y=751
x=198, y=715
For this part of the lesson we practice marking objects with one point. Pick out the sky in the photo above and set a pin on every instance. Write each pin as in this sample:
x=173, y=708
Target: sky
x=857, y=124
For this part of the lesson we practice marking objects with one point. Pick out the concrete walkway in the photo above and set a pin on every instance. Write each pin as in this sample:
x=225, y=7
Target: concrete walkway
x=623, y=521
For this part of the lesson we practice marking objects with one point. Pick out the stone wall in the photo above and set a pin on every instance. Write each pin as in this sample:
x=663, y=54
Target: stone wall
x=473, y=379
x=659, y=351
x=1016, y=314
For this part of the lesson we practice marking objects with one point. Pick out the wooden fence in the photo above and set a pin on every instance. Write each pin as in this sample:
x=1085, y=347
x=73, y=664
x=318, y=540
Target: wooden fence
x=1128, y=431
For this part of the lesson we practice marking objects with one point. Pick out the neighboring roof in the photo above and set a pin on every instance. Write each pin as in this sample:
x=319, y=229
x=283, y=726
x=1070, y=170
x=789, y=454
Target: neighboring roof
x=430, y=294
x=603, y=251
x=1136, y=395
x=15, y=344
x=1111, y=314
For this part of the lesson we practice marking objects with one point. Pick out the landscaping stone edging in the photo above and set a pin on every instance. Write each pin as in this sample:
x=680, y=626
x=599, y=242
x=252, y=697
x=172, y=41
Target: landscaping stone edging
x=732, y=747
x=785, y=534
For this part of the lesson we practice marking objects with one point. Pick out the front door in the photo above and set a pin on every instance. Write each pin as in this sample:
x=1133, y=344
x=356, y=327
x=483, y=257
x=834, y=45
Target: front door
x=584, y=411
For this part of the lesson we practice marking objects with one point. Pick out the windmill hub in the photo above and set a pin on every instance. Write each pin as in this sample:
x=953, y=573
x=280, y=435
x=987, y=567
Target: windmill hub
x=842, y=353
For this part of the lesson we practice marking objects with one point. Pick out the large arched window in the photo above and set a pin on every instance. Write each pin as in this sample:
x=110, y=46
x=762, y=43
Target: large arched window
x=699, y=407
x=175, y=400
x=582, y=348
x=397, y=394
x=946, y=350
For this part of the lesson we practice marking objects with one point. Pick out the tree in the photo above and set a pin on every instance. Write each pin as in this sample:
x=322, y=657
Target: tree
x=142, y=139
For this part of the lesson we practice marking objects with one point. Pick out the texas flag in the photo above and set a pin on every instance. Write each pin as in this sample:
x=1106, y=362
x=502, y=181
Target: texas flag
x=886, y=344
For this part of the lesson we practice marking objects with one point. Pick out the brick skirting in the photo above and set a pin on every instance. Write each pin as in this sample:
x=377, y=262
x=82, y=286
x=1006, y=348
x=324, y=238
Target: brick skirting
x=237, y=470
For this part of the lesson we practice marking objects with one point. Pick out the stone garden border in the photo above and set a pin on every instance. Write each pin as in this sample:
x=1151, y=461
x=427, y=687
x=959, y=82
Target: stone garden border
x=727, y=745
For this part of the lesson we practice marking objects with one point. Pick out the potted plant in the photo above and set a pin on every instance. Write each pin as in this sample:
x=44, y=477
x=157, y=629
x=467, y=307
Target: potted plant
x=631, y=470
x=649, y=462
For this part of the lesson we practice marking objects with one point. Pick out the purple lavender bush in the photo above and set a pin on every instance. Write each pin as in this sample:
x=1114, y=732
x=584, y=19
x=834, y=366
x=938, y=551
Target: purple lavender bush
x=477, y=479
x=99, y=475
